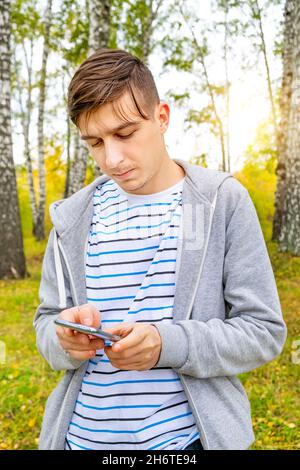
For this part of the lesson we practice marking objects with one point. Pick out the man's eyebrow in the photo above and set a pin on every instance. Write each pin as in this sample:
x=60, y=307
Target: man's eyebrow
x=112, y=131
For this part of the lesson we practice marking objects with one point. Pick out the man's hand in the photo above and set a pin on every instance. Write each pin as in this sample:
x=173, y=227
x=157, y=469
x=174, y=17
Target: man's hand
x=139, y=348
x=79, y=345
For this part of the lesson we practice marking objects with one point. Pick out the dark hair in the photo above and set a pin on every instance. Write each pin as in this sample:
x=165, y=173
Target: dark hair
x=104, y=77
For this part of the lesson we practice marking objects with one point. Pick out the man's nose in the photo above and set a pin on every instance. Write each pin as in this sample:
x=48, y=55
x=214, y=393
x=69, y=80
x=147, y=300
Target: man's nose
x=113, y=155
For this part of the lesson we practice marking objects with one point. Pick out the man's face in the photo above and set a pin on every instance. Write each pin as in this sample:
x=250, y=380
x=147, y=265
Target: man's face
x=132, y=155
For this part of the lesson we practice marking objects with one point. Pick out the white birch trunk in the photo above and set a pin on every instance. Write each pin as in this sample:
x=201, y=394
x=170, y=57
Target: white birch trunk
x=289, y=237
x=12, y=260
x=285, y=106
x=40, y=223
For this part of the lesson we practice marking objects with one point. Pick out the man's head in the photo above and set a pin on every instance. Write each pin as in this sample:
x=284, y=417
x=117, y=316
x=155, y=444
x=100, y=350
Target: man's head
x=113, y=88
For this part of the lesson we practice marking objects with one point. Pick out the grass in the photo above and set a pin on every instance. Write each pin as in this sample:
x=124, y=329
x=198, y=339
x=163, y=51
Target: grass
x=26, y=380
x=273, y=389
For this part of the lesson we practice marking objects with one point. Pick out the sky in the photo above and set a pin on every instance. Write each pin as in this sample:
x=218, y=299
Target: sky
x=248, y=99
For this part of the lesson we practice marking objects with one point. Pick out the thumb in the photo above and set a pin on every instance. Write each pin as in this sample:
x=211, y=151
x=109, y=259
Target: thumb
x=122, y=330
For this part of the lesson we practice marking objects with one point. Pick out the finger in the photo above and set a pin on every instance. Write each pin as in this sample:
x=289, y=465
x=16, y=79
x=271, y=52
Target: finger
x=134, y=337
x=82, y=355
x=82, y=343
x=127, y=366
x=88, y=314
x=97, y=343
x=126, y=354
x=67, y=335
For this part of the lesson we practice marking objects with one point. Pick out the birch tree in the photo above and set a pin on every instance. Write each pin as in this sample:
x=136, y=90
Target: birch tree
x=12, y=260
x=39, y=229
x=289, y=235
x=285, y=108
x=26, y=30
x=135, y=21
x=142, y=18
x=99, y=35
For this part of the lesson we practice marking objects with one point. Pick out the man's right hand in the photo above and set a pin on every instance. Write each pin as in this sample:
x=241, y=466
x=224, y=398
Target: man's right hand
x=79, y=345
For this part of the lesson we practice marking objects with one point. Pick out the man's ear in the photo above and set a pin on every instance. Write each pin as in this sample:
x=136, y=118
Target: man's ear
x=164, y=116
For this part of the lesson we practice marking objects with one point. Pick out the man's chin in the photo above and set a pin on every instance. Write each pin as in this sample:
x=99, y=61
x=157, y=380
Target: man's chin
x=134, y=186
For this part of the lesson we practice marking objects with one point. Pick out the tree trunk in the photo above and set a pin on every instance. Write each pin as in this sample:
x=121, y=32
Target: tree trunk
x=99, y=33
x=67, y=185
x=25, y=122
x=39, y=229
x=148, y=25
x=285, y=106
x=12, y=259
x=78, y=169
x=289, y=236
x=227, y=86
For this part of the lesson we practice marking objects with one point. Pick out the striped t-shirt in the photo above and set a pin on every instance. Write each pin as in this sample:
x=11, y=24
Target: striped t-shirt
x=130, y=277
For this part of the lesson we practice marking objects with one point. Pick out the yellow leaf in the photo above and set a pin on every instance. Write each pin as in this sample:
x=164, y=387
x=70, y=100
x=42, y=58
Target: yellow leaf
x=31, y=422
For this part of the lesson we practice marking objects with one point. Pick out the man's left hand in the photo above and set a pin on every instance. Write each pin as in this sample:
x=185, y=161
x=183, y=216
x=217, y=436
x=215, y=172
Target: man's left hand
x=139, y=348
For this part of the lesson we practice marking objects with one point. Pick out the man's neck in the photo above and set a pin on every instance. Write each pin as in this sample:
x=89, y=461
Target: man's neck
x=169, y=174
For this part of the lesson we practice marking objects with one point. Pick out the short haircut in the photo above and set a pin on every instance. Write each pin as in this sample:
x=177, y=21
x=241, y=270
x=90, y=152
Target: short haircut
x=104, y=77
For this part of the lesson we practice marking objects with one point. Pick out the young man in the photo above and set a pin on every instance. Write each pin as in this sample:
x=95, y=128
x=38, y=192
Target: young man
x=170, y=257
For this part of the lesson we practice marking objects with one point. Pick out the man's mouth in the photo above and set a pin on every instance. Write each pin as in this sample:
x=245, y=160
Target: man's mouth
x=124, y=173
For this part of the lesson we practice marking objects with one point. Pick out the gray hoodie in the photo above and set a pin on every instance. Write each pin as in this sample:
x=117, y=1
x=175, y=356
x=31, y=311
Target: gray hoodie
x=227, y=315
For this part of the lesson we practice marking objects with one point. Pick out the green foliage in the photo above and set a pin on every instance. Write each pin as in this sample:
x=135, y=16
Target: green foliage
x=139, y=19
x=261, y=184
x=199, y=160
x=26, y=20
x=180, y=53
x=179, y=98
x=258, y=175
x=206, y=115
x=70, y=31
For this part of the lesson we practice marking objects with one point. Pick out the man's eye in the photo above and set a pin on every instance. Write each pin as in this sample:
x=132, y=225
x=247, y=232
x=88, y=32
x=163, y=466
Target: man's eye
x=125, y=136
x=97, y=144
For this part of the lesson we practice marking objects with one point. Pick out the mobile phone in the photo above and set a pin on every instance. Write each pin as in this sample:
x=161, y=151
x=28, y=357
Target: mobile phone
x=88, y=330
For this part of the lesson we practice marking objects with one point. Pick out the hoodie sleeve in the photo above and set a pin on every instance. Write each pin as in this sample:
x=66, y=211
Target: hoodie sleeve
x=253, y=331
x=46, y=339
